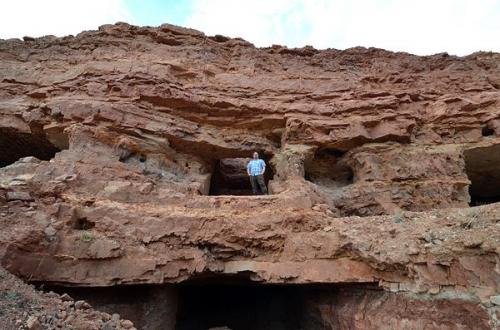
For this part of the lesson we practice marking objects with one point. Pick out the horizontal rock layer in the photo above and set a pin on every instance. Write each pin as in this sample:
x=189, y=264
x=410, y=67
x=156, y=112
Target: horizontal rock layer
x=111, y=142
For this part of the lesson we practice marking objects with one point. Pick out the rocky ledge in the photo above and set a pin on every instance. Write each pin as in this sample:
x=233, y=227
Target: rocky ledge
x=123, y=152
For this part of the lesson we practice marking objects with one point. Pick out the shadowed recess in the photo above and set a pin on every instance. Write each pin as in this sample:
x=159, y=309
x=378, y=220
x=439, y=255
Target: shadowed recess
x=483, y=169
x=15, y=145
x=326, y=169
x=231, y=303
x=230, y=177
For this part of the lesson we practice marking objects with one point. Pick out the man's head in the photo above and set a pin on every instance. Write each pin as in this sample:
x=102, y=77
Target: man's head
x=256, y=155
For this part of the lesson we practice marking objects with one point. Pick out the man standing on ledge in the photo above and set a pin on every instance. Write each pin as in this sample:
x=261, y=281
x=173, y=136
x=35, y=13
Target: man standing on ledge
x=255, y=169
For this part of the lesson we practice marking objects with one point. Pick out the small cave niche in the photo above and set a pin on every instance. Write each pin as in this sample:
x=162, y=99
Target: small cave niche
x=482, y=166
x=82, y=223
x=327, y=168
x=129, y=157
x=15, y=145
x=229, y=177
x=486, y=131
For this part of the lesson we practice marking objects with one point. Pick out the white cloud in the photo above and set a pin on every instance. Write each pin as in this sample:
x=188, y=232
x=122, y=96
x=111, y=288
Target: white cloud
x=421, y=27
x=36, y=18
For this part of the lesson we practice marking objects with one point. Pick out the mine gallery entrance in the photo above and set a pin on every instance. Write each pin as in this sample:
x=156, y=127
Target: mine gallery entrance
x=229, y=177
x=202, y=306
x=483, y=169
x=239, y=307
x=224, y=304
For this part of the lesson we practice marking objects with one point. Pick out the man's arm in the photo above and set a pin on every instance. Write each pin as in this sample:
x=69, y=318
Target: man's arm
x=263, y=167
x=248, y=169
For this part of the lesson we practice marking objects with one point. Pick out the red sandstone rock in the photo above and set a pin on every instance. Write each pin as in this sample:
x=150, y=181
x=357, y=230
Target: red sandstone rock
x=373, y=155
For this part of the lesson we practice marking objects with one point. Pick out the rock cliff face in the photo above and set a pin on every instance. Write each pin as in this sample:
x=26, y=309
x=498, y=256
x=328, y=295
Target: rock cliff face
x=123, y=152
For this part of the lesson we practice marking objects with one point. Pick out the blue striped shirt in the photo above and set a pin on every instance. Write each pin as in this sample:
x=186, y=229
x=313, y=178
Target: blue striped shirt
x=256, y=166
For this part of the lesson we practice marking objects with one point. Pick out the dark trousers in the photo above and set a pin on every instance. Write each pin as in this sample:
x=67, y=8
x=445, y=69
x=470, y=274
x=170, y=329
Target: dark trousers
x=258, y=180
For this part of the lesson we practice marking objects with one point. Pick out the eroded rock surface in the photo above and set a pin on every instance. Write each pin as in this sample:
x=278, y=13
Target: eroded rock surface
x=112, y=141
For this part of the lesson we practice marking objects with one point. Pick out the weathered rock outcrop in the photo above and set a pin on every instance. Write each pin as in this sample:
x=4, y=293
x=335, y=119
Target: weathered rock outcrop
x=113, y=140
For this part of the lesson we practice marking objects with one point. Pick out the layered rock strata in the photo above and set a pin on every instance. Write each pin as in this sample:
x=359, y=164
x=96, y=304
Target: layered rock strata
x=384, y=168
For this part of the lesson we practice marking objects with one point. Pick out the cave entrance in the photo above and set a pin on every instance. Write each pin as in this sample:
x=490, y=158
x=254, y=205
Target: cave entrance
x=229, y=177
x=326, y=168
x=483, y=170
x=245, y=305
x=229, y=303
x=239, y=307
x=15, y=145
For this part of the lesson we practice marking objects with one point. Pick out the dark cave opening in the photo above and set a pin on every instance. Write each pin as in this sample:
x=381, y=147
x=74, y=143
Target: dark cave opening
x=202, y=305
x=486, y=131
x=327, y=168
x=82, y=223
x=229, y=177
x=239, y=307
x=482, y=166
x=15, y=145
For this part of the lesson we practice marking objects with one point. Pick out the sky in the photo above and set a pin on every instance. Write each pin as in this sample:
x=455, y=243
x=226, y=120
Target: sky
x=422, y=27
